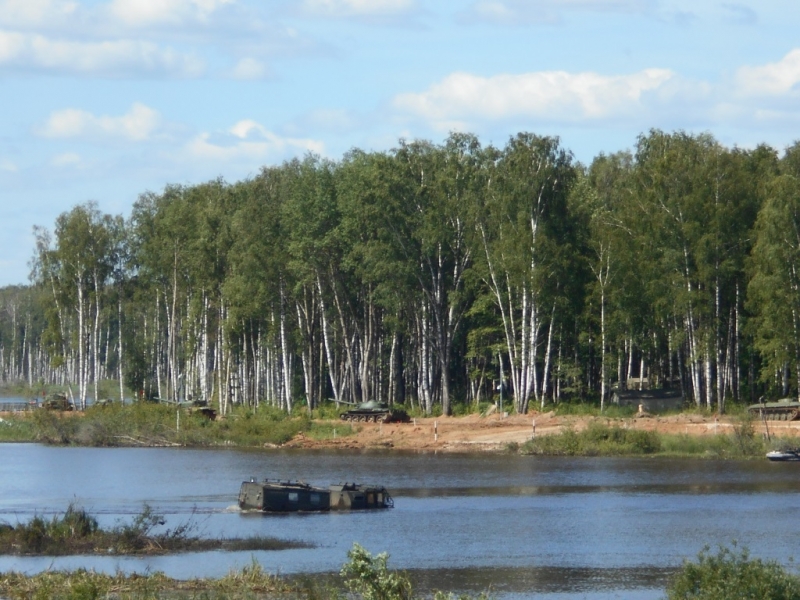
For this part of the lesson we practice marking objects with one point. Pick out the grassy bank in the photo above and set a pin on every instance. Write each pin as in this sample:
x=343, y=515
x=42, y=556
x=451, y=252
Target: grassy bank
x=362, y=576
x=730, y=573
x=77, y=532
x=248, y=583
x=603, y=440
x=151, y=424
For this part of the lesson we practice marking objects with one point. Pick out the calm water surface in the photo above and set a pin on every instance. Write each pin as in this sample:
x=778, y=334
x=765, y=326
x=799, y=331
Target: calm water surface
x=522, y=526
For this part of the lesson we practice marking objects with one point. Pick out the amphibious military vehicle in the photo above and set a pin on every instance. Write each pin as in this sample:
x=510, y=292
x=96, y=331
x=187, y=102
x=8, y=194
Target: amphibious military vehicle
x=298, y=496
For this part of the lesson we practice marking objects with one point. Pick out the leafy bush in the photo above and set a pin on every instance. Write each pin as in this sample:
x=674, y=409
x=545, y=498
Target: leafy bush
x=369, y=577
x=732, y=575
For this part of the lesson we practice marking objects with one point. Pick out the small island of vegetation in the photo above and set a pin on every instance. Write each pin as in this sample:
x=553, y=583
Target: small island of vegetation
x=77, y=532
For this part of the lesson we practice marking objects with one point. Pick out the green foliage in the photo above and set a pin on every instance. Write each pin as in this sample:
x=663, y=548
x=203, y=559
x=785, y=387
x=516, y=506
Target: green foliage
x=597, y=440
x=251, y=582
x=418, y=274
x=327, y=431
x=77, y=532
x=370, y=578
x=611, y=411
x=17, y=428
x=74, y=529
x=731, y=574
x=149, y=423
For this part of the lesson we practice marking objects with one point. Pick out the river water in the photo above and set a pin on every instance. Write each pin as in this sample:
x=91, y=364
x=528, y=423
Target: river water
x=521, y=527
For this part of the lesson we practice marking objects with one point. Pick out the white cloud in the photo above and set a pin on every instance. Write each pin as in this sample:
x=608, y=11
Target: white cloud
x=169, y=12
x=247, y=140
x=357, y=8
x=249, y=68
x=27, y=13
x=555, y=95
x=138, y=124
x=773, y=79
x=109, y=58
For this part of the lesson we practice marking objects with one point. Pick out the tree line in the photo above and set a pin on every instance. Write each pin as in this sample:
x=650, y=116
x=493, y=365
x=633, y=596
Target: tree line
x=431, y=275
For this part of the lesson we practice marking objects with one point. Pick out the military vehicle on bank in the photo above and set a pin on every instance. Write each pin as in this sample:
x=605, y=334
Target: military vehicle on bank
x=785, y=409
x=57, y=401
x=298, y=496
x=374, y=412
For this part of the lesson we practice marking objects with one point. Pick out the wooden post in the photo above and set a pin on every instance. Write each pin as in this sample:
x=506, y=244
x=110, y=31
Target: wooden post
x=435, y=431
x=533, y=433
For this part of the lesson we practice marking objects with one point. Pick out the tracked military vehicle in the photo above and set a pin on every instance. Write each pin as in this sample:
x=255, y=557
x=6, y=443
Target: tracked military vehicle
x=785, y=409
x=57, y=401
x=374, y=412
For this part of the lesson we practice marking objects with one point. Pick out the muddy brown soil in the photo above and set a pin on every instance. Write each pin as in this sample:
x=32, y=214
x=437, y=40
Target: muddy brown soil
x=476, y=433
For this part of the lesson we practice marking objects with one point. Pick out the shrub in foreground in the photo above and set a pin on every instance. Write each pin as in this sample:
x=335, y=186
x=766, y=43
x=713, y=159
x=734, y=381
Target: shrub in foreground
x=731, y=574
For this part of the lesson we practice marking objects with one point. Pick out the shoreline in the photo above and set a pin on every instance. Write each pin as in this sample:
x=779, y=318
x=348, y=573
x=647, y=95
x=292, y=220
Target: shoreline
x=498, y=433
x=473, y=433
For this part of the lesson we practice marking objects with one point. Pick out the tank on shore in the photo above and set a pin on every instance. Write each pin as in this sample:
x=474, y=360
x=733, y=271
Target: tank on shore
x=785, y=409
x=57, y=401
x=298, y=496
x=374, y=412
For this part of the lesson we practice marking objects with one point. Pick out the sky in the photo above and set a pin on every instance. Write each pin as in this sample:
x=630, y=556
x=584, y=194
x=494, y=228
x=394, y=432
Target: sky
x=103, y=100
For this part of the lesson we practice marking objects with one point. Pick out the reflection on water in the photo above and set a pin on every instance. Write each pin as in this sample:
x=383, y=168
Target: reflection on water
x=544, y=580
x=596, y=528
x=555, y=490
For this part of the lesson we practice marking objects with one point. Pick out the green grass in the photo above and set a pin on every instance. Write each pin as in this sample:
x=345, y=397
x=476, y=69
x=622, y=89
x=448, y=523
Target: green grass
x=596, y=440
x=77, y=532
x=16, y=429
x=603, y=440
x=249, y=583
x=329, y=431
x=362, y=576
x=144, y=423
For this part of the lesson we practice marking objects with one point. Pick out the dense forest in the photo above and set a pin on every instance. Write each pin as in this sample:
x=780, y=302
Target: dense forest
x=433, y=276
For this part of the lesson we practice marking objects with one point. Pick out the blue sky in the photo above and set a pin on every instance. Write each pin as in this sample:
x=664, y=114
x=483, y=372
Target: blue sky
x=106, y=99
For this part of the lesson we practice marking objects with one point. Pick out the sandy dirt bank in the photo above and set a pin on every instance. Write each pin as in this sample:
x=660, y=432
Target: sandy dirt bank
x=475, y=433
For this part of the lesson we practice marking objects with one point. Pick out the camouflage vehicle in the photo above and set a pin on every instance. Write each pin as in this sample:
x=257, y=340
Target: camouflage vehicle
x=374, y=412
x=57, y=401
x=353, y=496
x=193, y=407
x=298, y=496
x=282, y=496
x=785, y=409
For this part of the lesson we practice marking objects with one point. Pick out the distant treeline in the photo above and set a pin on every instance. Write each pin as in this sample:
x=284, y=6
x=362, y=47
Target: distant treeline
x=427, y=275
